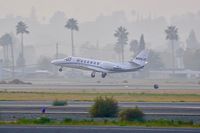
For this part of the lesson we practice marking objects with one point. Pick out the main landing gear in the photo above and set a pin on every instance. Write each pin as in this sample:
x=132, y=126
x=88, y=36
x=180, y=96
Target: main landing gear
x=60, y=69
x=103, y=75
x=93, y=74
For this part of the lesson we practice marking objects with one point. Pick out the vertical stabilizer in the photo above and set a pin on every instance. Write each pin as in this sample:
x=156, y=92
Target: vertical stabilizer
x=141, y=58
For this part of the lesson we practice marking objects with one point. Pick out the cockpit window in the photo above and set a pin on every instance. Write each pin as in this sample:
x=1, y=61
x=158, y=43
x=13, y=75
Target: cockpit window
x=68, y=58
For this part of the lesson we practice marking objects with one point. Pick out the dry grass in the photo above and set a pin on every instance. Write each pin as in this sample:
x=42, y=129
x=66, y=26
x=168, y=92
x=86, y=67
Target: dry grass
x=85, y=96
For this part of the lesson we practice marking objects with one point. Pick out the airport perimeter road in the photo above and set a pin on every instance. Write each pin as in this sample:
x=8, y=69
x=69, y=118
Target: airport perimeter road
x=92, y=129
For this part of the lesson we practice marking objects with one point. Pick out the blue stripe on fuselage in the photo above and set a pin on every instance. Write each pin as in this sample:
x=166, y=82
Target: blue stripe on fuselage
x=84, y=66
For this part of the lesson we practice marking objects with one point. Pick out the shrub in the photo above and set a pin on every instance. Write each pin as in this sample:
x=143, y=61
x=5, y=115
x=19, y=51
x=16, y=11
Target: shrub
x=59, y=103
x=125, y=81
x=3, y=82
x=24, y=121
x=104, y=107
x=131, y=115
x=42, y=120
x=67, y=120
x=17, y=81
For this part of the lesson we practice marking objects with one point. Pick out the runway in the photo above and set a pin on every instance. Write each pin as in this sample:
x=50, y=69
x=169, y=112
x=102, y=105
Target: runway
x=66, y=86
x=92, y=129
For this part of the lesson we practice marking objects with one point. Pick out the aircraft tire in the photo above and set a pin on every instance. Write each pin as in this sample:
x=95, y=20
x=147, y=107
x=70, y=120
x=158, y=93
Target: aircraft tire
x=93, y=74
x=103, y=75
x=60, y=70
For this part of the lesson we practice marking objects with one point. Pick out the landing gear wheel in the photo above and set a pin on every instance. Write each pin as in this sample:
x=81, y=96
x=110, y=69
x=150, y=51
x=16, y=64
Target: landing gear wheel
x=93, y=74
x=60, y=70
x=103, y=75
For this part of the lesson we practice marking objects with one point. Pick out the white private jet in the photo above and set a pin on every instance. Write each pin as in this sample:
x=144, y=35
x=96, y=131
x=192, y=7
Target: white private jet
x=103, y=67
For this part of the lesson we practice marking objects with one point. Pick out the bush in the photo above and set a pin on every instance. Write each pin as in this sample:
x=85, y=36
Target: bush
x=42, y=120
x=131, y=115
x=66, y=120
x=59, y=103
x=3, y=82
x=125, y=81
x=104, y=107
x=17, y=81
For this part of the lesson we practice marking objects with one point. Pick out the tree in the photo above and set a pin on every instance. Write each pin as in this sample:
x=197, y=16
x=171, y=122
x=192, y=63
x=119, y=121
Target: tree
x=142, y=43
x=172, y=35
x=192, y=42
x=122, y=37
x=43, y=63
x=21, y=28
x=73, y=26
x=154, y=60
x=6, y=41
x=134, y=47
x=191, y=59
x=5, y=50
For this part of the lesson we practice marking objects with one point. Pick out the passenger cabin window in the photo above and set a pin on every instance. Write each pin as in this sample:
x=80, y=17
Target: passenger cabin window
x=68, y=59
x=97, y=63
x=88, y=62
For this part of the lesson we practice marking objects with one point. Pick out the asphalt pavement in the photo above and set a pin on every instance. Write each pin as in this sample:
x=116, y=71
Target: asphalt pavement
x=92, y=129
x=13, y=110
x=75, y=106
x=65, y=86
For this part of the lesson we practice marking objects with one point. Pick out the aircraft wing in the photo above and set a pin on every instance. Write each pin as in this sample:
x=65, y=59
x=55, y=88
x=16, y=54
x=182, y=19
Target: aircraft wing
x=97, y=69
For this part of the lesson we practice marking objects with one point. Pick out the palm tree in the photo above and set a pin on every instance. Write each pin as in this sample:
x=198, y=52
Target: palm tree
x=73, y=26
x=21, y=28
x=122, y=37
x=172, y=35
x=6, y=41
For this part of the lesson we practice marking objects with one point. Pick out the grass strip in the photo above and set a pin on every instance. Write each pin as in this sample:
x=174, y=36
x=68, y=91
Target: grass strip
x=103, y=122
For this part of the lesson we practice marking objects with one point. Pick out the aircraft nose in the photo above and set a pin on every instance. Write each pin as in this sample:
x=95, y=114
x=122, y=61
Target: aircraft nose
x=53, y=62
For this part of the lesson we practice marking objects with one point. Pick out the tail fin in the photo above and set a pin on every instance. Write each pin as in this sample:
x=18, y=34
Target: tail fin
x=141, y=58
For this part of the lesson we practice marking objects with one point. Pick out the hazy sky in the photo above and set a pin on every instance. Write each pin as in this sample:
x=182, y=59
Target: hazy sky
x=87, y=10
